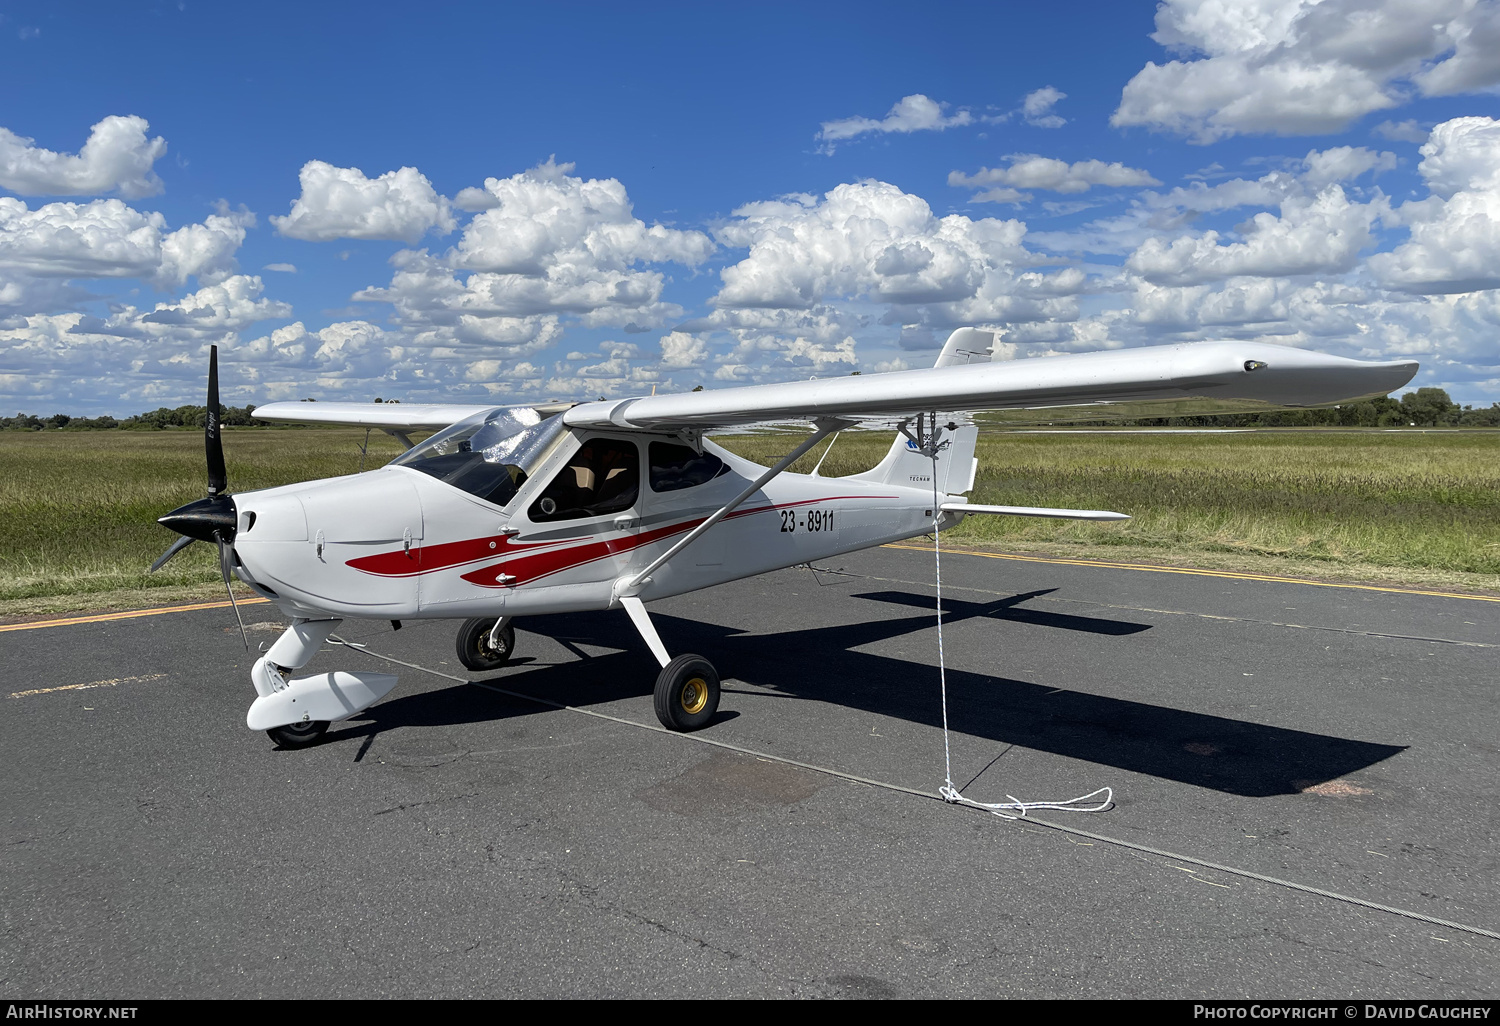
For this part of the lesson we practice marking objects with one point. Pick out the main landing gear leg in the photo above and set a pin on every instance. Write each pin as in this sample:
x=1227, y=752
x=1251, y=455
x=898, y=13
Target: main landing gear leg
x=687, y=689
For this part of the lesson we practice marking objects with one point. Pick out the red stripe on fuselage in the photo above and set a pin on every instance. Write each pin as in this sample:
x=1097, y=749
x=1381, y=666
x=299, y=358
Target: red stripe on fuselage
x=559, y=555
x=525, y=569
x=424, y=559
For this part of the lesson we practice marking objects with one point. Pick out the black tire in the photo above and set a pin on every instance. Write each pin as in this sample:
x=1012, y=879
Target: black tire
x=298, y=735
x=687, y=693
x=474, y=649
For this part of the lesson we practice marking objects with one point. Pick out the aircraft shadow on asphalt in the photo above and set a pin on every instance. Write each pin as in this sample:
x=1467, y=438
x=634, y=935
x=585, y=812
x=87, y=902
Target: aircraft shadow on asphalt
x=821, y=664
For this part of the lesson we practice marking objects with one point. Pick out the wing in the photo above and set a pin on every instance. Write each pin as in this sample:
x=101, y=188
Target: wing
x=387, y=416
x=1201, y=377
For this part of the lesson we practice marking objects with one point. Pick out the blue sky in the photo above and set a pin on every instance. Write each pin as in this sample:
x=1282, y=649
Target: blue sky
x=695, y=194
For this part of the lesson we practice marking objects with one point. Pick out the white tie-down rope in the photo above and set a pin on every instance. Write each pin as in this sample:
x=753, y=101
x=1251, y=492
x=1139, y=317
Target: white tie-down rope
x=949, y=792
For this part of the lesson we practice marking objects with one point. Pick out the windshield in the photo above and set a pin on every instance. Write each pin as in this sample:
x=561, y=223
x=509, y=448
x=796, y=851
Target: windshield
x=490, y=454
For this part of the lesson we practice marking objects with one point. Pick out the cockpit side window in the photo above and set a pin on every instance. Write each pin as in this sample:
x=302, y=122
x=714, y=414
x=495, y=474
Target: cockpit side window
x=680, y=466
x=603, y=476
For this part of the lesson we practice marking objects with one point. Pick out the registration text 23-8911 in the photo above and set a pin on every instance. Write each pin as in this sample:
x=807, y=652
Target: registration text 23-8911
x=812, y=520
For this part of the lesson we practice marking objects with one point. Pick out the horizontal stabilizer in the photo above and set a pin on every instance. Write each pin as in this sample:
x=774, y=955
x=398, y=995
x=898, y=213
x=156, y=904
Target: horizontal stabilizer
x=1035, y=511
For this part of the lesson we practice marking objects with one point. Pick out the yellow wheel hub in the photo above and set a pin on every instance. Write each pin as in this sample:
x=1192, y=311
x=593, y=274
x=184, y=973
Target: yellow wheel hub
x=695, y=696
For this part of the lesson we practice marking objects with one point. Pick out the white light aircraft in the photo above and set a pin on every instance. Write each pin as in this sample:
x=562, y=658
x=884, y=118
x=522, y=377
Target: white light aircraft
x=515, y=511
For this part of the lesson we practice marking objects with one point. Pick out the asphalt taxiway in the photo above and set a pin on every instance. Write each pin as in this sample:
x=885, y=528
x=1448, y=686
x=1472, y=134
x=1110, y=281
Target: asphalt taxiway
x=458, y=840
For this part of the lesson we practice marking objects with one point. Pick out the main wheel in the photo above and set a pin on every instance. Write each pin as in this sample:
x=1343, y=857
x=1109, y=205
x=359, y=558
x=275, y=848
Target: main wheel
x=687, y=693
x=298, y=735
x=474, y=648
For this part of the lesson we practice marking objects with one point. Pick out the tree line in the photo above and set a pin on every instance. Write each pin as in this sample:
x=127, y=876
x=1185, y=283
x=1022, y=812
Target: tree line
x=181, y=417
x=156, y=420
x=1426, y=407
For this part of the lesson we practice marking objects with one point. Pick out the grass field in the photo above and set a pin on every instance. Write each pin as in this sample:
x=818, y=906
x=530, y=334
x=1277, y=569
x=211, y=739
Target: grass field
x=1413, y=507
x=78, y=509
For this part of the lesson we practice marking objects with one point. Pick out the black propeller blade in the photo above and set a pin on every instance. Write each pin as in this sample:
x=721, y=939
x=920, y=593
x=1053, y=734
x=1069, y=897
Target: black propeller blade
x=211, y=519
x=177, y=546
x=218, y=478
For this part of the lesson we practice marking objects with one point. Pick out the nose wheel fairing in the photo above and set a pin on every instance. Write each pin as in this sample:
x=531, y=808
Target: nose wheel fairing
x=302, y=702
x=323, y=697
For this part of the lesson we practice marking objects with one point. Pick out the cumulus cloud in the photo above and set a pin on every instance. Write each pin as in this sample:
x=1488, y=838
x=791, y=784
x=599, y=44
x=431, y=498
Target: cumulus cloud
x=1455, y=239
x=545, y=218
x=1029, y=171
x=108, y=239
x=614, y=368
x=551, y=246
x=821, y=357
x=341, y=203
x=146, y=356
x=358, y=359
x=1159, y=217
x=1323, y=233
x=1319, y=168
x=24, y=294
x=1036, y=108
x=117, y=157
x=681, y=350
x=212, y=311
x=914, y=113
x=1302, y=67
x=1402, y=131
x=204, y=250
x=871, y=242
x=474, y=200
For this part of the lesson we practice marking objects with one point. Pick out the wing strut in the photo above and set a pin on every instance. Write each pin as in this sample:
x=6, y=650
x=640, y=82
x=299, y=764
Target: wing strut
x=401, y=437
x=826, y=426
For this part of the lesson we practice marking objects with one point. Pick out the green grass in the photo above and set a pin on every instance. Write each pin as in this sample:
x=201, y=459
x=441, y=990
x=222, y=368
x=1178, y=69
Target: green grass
x=78, y=509
x=1401, y=506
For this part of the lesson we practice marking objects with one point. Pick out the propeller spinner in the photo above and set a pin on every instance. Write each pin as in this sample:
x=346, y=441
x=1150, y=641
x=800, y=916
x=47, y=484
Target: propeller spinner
x=210, y=519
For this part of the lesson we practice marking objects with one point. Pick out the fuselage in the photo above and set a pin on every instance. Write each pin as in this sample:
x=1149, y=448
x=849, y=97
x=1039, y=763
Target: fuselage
x=400, y=543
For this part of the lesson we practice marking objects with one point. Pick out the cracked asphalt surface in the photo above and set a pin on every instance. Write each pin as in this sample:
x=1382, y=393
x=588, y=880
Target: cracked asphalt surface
x=455, y=841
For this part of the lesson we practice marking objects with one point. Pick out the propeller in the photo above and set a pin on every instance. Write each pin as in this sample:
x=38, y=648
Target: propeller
x=210, y=519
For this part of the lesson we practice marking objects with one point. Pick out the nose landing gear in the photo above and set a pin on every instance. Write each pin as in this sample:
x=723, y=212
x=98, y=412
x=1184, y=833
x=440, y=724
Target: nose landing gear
x=298, y=735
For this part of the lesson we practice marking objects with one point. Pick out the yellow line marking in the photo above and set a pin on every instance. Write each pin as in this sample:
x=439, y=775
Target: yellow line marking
x=85, y=687
x=1232, y=574
x=128, y=614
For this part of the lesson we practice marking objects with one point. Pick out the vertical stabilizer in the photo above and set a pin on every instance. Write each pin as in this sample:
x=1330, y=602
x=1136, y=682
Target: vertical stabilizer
x=967, y=345
x=956, y=465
